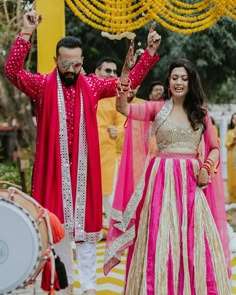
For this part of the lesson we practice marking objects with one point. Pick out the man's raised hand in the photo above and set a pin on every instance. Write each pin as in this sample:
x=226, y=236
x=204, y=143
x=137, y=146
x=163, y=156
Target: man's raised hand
x=31, y=20
x=153, y=40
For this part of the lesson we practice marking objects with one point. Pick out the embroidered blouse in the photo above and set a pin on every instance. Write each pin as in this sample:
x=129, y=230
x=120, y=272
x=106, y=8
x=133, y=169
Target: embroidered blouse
x=171, y=136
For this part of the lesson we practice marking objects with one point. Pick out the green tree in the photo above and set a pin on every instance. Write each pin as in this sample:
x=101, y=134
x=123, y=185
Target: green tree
x=13, y=103
x=213, y=51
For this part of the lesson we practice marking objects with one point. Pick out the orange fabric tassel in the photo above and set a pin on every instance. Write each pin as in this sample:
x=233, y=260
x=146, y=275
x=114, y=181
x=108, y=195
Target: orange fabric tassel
x=52, y=292
x=58, y=231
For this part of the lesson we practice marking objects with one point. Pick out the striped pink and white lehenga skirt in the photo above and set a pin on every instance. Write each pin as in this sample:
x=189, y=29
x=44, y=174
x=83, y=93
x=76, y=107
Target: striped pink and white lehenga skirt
x=177, y=249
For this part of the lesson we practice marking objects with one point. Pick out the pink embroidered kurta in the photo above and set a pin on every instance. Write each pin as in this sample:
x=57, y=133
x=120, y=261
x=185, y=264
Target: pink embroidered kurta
x=48, y=171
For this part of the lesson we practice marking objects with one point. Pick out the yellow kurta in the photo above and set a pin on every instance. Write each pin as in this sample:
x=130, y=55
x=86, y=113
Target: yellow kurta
x=106, y=116
x=110, y=149
x=231, y=165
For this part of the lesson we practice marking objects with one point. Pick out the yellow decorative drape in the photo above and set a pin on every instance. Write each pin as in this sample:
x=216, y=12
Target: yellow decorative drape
x=50, y=31
x=119, y=16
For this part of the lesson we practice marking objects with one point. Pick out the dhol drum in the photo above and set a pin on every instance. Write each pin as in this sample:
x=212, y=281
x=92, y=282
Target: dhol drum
x=24, y=239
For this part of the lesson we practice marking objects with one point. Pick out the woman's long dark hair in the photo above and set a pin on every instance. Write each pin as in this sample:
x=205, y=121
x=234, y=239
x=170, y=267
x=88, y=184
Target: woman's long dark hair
x=231, y=124
x=193, y=103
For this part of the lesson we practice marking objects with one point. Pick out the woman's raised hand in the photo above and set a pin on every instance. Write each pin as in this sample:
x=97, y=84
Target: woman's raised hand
x=131, y=58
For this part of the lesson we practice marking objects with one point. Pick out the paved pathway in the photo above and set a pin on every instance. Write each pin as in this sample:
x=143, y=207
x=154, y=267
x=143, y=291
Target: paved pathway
x=113, y=283
x=110, y=285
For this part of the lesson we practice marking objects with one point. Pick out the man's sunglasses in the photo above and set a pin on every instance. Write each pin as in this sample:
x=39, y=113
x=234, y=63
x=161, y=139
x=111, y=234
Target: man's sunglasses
x=109, y=71
x=67, y=64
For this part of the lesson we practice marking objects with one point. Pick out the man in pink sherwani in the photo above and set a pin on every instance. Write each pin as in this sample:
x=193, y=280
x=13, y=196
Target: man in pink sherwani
x=66, y=175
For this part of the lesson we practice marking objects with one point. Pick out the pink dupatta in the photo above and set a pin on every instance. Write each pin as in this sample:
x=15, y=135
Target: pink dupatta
x=214, y=191
x=134, y=157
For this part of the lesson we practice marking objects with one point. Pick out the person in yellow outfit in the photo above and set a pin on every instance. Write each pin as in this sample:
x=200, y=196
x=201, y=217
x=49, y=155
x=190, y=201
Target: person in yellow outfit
x=110, y=122
x=230, y=144
x=111, y=133
x=156, y=90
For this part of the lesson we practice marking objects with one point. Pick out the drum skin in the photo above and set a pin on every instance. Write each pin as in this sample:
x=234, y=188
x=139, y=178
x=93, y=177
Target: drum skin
x=23, y=241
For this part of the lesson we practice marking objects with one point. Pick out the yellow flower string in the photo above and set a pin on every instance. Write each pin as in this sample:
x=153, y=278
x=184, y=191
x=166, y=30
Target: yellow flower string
x=228, y=7
x=192, y=6
x=119, y=16
x=166, y=18
x=177, y=18
x=188, y=11
x=106, y=19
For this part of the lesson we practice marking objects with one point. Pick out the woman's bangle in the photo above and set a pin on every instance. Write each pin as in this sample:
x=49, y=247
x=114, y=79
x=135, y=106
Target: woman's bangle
x=210, y=166
x=24, y=33
x=121, y=83
x=122, y=88
x=124, y=83
x=209, y=161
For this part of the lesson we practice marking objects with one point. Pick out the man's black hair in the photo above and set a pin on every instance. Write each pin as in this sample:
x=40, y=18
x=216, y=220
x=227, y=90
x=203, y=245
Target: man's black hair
x=68, y=42
x=105, y=59
x=154, y=83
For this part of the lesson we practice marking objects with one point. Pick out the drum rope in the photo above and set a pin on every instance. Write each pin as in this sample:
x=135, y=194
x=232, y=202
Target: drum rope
x=52, y=248
x=9, y=183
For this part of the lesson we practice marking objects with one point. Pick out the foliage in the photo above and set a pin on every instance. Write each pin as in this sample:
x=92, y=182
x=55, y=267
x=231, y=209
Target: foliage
x=94, y=45
x=13, y=104
x=9, y=171
x=226, y=93
x=213, y=51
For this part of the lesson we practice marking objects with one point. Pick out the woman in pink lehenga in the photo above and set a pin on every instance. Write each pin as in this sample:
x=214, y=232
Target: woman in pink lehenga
x=171, y=215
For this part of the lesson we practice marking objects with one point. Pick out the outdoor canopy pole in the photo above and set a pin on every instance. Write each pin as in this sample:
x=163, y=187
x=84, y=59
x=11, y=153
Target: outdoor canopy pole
x=49, y=32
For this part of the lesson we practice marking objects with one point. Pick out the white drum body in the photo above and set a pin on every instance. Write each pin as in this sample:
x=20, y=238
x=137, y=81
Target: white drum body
x=22, y=242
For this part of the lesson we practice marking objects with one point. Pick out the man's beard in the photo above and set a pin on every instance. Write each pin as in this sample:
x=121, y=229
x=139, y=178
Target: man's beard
x=68, y=78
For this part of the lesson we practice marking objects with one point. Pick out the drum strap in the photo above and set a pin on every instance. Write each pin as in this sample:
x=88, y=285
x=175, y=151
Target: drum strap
x=41, y=214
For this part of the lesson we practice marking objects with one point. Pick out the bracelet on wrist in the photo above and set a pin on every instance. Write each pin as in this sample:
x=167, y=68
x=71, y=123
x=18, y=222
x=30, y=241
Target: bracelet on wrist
x=24, y=33
x=209, y=161
x=210, y=166
x=120, y=92
x=124, y=83
x=122, y=87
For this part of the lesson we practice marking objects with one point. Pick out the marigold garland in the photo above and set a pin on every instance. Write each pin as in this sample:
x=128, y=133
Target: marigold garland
x=167, y=13
x=119, y=16
x=167, y=18
x=192, y=6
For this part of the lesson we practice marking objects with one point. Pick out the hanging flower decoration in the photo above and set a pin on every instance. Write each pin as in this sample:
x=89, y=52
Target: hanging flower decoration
x=118, y=18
